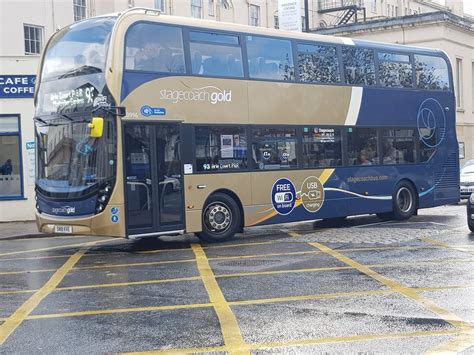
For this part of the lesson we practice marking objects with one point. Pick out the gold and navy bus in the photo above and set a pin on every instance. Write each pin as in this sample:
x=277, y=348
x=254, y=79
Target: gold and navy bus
x=152, y=125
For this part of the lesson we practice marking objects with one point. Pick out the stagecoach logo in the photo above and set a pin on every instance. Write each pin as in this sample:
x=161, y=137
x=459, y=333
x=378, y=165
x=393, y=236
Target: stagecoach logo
x=211, y=94
x=64, y=210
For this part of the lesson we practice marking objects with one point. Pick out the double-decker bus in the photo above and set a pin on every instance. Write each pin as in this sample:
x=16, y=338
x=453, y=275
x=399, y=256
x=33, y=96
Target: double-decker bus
x=153, y=125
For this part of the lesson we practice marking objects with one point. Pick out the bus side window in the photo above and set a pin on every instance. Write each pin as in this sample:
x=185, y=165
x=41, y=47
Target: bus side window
x=270, y=58
x=152, y=47
x=431, y=73
x=274, y=148
x=220, y=148
x=216, y=54
x=359, y=66
x=395, y=70
x=362, y=147
x=398, y=146
x=318, y=64
x=322, y=147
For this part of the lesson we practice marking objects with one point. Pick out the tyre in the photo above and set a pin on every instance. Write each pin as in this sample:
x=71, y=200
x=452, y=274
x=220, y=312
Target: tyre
x=403, y=201
x=221, y=218
x=385, y=216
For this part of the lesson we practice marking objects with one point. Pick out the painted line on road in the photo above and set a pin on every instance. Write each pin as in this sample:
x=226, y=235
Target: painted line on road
x=233, y=339
x=447, y=246
x=120, y=310
x=59, y=237
x=305, y=342
x=444, y=314
x=15, y=320
x=85, y=244
x=458, y=344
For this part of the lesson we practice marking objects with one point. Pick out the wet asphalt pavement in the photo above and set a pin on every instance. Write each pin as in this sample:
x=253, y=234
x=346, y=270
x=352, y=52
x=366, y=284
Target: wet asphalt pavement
x=366, y=286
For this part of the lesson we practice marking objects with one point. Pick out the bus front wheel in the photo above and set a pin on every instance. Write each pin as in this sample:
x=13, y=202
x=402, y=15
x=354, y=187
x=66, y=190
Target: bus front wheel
x=403, y=201
x=220, y=218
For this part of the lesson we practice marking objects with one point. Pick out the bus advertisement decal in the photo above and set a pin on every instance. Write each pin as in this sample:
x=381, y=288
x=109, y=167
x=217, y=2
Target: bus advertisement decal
x=312, y=194
x=283, y=196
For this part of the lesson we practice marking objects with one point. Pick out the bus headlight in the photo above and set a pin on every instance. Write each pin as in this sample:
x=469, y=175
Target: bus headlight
x=99, y=208
x=103, y=197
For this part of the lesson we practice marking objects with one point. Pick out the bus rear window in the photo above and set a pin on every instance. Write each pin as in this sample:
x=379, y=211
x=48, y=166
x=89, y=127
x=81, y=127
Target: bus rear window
x=155, y=48
x=431, y=73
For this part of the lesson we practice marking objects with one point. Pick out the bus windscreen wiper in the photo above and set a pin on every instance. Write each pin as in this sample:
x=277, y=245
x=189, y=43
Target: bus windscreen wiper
x=84, y=69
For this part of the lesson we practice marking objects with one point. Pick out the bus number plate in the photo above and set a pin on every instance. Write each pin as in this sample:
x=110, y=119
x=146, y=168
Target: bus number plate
x=63, y=229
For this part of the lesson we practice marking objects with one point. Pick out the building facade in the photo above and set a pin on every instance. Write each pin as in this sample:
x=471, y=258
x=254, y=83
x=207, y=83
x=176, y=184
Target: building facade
x=26, y=25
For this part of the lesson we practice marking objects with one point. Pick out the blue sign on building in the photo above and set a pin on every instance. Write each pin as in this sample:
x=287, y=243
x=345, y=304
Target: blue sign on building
x=17, y=86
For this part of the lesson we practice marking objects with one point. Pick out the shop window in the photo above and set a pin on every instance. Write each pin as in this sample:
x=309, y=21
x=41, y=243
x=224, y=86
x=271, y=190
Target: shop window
x=220, y=148
x=10, y=162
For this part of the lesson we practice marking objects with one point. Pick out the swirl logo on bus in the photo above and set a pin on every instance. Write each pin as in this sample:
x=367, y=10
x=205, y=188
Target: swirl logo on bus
x=430, y=120
x=211, y=94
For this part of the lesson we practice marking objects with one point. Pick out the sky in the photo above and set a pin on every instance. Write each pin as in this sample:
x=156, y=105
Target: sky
x=468, y=6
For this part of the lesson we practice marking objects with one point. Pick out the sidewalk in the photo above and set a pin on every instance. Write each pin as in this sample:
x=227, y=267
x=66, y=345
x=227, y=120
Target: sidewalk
x=19, y=230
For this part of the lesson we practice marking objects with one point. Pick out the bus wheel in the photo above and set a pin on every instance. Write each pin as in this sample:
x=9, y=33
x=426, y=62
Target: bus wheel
x=220, y=218
x=403, y=201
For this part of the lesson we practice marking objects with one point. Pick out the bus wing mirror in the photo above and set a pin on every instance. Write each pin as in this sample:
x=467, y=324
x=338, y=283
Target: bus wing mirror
x=97, y=127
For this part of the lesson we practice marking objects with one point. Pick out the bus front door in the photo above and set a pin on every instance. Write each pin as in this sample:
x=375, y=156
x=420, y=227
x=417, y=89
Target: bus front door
x=153, y=182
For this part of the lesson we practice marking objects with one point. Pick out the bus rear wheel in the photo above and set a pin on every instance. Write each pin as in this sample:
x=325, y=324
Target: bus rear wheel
x=403, y=201
x=220, y=218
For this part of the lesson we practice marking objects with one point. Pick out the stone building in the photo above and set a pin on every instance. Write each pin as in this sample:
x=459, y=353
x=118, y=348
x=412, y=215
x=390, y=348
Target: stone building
x=25, y=26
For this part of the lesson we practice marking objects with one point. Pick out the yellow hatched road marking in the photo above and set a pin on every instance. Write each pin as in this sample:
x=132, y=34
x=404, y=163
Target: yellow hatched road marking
x=239, y=245
x=277, y=272
x=59, y=237
x=85, y=244
x=37, y=258
x=447, y=246
x=407, y=292
x=150, y=263
x=12, y=322
x=230, y=329
x=307, y=342
x=120, y=310
x=458, y=344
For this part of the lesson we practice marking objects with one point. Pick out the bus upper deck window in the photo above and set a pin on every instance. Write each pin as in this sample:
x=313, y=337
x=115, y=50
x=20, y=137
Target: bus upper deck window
x=431, y=73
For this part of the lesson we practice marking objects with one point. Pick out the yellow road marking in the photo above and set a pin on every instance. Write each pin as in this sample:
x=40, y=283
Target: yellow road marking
x=306, y=342
x=36, y=258
x=291, y=271
x=120, y=310
x=458, y=344
x=447, y=246
x=162, y=251
x=85, y=244
x=309, y=297
x=132, y=283
x=405, y=291
x=230, y=329
x=150, y=263
x=238, y=245
x=216, y=258
x=15, y=292
x=12, y=322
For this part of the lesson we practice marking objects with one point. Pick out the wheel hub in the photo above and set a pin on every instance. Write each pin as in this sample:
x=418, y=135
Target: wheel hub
x=219, y=217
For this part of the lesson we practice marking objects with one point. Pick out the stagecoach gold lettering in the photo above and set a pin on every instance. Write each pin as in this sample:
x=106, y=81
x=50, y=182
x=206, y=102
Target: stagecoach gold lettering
x=209, y=93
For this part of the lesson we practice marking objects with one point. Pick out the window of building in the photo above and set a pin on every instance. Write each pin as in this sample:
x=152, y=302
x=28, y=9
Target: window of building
x=10, y=162
x=431, y=73
x=274, y=148
x=254, y=15
x=270, y=58
x=33, y=39
x=220, y=148
x=303, y=24
x=160, y=5
x=398, y=146
x=196, y=8
x=322, y=147
x=362, y=146
x=395, y=70
x=459, y=83
x=79, y=9
x=318, y=64
x=359, y=67
x=216, y=54
x=211, y=8
x=373, y=6
x=276, y=22
x=155, y=48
